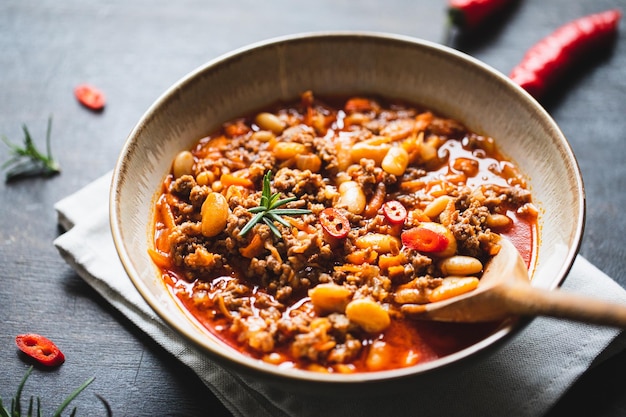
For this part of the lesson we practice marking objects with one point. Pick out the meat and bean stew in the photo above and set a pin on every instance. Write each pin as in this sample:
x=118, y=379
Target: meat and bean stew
x=296, y=234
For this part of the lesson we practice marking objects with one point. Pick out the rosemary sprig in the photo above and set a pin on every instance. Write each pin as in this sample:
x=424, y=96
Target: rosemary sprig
x=16, y=402
x=268, y=210
x=28, y=160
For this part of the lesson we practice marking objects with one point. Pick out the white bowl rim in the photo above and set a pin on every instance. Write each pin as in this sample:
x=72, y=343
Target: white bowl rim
x=245, y=363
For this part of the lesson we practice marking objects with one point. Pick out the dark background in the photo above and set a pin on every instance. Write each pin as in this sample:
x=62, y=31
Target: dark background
x=134, y=50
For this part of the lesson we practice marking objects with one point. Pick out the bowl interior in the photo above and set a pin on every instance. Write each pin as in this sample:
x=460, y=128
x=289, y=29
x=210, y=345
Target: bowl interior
x=423, y=73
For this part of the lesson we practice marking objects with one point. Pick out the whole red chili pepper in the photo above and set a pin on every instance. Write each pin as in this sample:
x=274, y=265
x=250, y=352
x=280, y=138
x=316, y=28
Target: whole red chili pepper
x=548, y=59
x=40, y=348
x=469, y=14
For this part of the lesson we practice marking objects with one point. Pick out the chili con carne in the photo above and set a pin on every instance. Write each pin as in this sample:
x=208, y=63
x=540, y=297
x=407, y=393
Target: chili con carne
x=326, y=293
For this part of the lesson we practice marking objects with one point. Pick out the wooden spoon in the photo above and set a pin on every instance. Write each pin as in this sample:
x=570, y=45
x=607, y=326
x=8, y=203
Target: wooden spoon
x=504, y=290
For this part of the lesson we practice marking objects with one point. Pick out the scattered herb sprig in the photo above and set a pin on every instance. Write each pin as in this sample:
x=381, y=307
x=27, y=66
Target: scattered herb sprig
x=268, y=210
x=16, y=402
x=28, y=160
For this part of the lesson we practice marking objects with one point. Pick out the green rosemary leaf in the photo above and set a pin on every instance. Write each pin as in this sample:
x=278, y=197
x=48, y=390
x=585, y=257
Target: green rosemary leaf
x=17, y=405
x=16, y=150
x=3, y=411
x=268, y=210
x=106, y=405
x=73, y=395
x=278, y=219
x=252, y=223
x=267, y=189
x=272, y=227
x=258, y=209
x=290, y=212
x=29, y=413
x=278, y=203
x=273, y=200
x=265, y=202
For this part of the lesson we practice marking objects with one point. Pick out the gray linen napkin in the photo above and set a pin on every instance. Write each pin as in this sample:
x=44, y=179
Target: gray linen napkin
x=523, y=378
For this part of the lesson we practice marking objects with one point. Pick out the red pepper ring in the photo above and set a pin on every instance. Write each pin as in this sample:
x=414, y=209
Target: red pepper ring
x=424, y=240
x=90, y=96
x=334, y=223
x=394, y=212
x=40, y=348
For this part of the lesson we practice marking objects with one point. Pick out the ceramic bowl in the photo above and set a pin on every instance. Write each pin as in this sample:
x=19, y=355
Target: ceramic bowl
x=442, y=79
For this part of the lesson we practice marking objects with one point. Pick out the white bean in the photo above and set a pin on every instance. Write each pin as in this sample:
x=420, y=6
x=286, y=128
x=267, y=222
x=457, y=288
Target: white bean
x=395, y=161
x=380, y=242
x=498, y=220
x=438, y=205
x=330, y=297
x=460, y=265
x=269, y=121
x=287, y=150
x=412, y=296
x=453, y=286
x=214, y=214
x=351, y=197
x=310, y=161
x=368, y=314
x=375, y=148
x=263, y=136
x=205, y=178
x=183, y=164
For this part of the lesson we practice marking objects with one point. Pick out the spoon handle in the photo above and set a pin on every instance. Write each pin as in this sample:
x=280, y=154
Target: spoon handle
x=531, y=301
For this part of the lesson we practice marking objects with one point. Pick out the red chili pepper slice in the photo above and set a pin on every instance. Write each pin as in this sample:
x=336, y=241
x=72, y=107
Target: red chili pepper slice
x=394, y=212
x=548, y=59
x=334, y=223
x=469, y=14
x=40, y=348
x=90, y=96
x=359, y=104
x=424, y=240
